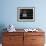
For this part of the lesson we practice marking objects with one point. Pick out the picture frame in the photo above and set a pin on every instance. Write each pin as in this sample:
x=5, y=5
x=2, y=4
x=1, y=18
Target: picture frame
x=26, y=14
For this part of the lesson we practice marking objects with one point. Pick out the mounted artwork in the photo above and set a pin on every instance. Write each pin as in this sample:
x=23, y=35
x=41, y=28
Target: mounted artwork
x=26, y=14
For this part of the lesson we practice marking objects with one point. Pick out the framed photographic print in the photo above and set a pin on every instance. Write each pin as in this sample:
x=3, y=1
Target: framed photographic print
x=26, y=14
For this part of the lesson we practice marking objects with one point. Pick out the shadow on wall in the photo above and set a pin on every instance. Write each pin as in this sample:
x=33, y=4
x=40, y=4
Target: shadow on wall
x=2, y=26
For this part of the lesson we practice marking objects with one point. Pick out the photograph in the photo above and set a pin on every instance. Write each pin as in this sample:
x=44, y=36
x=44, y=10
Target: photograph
x=25, y=14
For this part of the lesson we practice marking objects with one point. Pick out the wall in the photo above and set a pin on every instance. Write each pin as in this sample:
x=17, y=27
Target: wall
x=8, y=13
